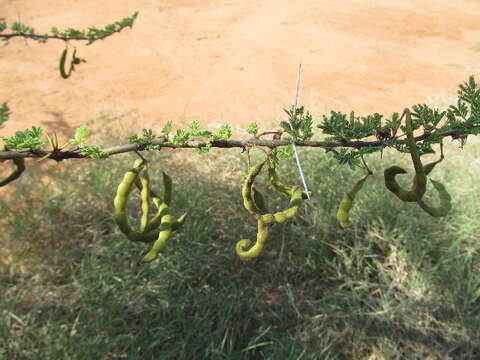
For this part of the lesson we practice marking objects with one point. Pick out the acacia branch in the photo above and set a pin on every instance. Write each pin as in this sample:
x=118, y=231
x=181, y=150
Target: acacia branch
x=76, y=153
x=45, y=37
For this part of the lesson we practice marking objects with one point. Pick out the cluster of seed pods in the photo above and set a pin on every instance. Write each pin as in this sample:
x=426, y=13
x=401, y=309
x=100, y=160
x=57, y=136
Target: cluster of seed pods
x=156, y=229
x=254, y=202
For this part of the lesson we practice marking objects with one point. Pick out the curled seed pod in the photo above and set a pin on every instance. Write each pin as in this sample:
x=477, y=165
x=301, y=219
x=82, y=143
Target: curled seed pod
x=162, y=210
x=120, y=203
x=248, y=201
x=19, y=169
x=275, y=181
x=242, y=248
x=259, y=201
x=63, y=58
x=429, y=167
x=121, y=197
x=281, y=187
x=420, y=180
x=160, y=244
x=159, y=229
x=282, y=216
x=347, y=202
x=145, y=197
x=256, y=205
x=445, y=201
x=75, y=61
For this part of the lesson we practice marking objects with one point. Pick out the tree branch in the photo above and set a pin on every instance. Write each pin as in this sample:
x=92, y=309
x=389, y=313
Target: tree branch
x=60, y=155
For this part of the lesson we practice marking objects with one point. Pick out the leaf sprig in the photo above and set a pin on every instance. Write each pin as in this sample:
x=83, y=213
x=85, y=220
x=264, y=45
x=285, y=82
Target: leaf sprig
x=194, y=130
x=26, y=139
x=91, y=34
x=299, y=125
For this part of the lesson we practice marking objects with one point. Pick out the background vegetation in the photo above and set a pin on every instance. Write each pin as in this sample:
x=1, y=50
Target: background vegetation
x=399, y=285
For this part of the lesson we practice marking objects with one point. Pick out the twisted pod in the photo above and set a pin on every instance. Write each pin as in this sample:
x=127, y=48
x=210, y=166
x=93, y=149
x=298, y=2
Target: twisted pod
x=347, y=202
x=255, y=203
x=75, y=61
x=160, y=227
x=277, y=184
x=19, y=169
x=420, y=180
x=445, y=199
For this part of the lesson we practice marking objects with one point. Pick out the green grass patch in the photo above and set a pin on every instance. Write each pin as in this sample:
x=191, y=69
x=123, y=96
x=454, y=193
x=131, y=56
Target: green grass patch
x=399, y=284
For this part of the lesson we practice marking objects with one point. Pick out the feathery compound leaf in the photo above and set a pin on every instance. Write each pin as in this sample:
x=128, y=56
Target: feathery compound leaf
x=80, y=135
x=94, y=152
x=224, y=133
x=252, y=128
x=166, y=130
x=26, y=139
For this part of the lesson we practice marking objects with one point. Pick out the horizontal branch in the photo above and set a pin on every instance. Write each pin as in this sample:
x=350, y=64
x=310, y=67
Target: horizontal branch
x=90, y=35
x=75, y=153
x=45, y=37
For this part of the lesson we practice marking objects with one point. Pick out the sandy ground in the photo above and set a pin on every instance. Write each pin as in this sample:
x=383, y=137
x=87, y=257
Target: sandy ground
x=223, y=61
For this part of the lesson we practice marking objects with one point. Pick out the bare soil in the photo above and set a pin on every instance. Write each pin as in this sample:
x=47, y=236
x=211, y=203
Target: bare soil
x=223, y=61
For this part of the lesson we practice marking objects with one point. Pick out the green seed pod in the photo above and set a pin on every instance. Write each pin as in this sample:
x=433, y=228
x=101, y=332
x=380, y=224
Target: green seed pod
x=420, y=180
x=161, y=225
x=257, y=207
x=62, y=65
x=256, y=250
x=259, y=201
x=248, y=201
x=277, y=184
x=445, y=201
x=145, y=196
x=160, y=244
x=19, y=169
x=63, y=58
x=123, y=191
x=282, y=216
x=179, y=222
x=162, y=210
x=75, y=61
x=430, y=166
x=347, y=202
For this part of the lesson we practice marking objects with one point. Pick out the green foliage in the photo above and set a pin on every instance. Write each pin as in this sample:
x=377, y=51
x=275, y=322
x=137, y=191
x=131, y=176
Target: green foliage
x=166, y=130
x=19, y=27
x=466, y=114
x=80, y=135
x=299, y=125
x=252, y=128
x=194, y=130
x=429, y=118
x=93, y=152
x=147, y=135
x=92, y=34
x=347, y=157
x=26, y=139
x=354, y=127
x=3, y=25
